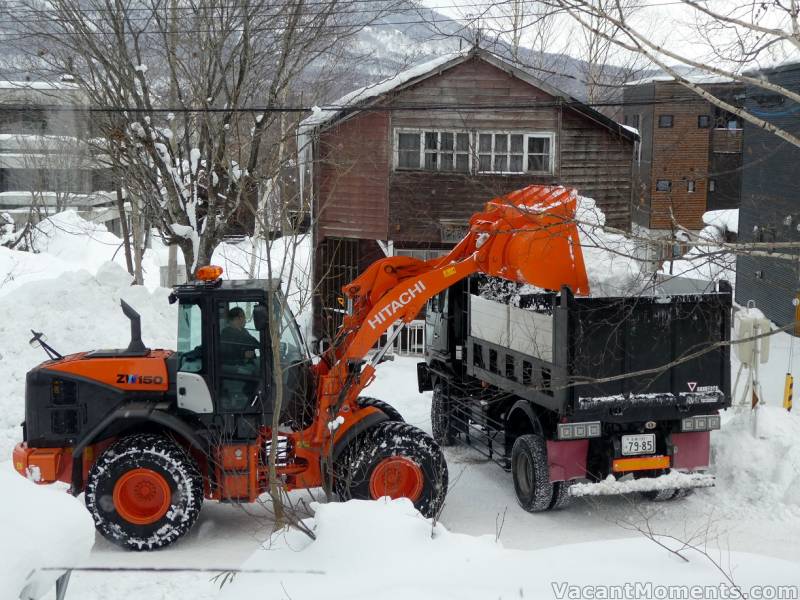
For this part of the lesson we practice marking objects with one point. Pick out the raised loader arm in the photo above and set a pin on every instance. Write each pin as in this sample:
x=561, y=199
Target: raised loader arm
x=528, y=236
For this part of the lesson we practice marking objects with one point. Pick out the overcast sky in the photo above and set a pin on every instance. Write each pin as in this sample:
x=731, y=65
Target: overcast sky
x=669, y=23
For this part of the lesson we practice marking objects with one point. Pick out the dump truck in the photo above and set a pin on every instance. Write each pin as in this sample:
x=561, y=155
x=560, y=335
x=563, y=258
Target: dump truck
x=581, y=395
x=148, y=434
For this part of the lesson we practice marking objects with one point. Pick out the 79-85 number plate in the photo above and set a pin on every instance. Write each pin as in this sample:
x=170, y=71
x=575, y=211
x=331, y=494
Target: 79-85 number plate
x=644, y=443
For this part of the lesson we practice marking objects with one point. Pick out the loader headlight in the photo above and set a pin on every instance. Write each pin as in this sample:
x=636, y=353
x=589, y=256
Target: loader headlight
x=700, y=423
x=579, y=431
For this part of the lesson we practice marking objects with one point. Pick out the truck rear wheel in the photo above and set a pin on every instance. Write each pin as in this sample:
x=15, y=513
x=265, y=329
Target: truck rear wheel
x=390, y=411
x=561, y=495
x=144, y=492
x=396, y=460
x=531, y=473
x=441, y=421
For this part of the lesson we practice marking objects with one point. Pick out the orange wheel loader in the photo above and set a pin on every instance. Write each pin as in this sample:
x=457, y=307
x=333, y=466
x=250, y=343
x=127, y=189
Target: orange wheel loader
x=147, y=434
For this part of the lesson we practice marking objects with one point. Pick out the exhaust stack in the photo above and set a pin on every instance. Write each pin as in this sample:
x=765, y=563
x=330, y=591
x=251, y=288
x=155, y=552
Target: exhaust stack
x=136, y=345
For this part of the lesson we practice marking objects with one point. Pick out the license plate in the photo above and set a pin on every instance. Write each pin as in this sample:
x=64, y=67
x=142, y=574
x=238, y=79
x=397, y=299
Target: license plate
x=644, y=443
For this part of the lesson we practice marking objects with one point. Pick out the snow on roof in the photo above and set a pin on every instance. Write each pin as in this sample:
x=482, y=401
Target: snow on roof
x=699, y=78
x=629, y=128
x=369, y=92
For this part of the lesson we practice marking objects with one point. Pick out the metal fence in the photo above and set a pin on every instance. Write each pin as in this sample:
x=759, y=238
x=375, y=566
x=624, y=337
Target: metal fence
x=410, y=342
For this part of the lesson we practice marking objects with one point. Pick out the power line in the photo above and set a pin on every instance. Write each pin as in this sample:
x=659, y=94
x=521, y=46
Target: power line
x=358, y=108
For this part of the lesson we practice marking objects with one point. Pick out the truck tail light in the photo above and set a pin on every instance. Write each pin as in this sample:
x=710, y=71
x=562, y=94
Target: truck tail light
x=700, y=423
x=578, y=431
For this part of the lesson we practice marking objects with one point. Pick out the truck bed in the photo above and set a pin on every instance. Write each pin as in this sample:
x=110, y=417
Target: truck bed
x=614, y=359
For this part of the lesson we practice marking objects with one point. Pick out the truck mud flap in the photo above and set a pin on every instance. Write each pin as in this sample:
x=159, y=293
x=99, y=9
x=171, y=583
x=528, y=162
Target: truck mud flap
x=674, y=480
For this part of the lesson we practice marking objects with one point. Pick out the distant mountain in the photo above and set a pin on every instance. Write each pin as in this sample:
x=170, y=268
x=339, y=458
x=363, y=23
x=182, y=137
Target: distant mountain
x=395, y=41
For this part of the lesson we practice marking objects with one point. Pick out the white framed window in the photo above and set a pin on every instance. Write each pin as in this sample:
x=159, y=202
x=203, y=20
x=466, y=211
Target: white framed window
x=433, y=150
x=515, y=152
x=474, y=152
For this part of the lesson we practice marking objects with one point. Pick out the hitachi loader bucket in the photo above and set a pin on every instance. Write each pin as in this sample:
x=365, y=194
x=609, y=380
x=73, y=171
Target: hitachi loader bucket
x=536, y=238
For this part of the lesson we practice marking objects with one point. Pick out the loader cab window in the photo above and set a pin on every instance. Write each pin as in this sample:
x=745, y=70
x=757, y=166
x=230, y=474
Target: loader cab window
x=292, y=348
x=240, y=358
x=190, y=338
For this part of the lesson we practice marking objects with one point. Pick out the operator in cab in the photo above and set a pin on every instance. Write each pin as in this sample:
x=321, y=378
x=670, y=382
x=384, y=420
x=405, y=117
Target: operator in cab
x=238, y=346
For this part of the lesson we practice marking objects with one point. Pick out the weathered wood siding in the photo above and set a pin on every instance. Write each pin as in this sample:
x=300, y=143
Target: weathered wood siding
x=351, y=173
x=587, y=155
x=599, y=163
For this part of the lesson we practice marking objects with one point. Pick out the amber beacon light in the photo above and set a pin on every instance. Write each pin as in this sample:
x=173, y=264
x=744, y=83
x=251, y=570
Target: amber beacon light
x=209, y=273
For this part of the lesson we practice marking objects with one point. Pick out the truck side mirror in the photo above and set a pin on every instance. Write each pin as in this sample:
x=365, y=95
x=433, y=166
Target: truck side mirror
x=260, y=317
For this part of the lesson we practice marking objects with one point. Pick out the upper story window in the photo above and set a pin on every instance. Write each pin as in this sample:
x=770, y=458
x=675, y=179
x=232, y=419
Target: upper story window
x=704, y=121
x=474, y=152
x=725, y=120
x=446, y=151
x=665, y=121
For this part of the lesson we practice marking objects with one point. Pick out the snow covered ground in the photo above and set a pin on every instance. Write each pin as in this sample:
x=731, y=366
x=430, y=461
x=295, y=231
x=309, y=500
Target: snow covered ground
x=72, y=294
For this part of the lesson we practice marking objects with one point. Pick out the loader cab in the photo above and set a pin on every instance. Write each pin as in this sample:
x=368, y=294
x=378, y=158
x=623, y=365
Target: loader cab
x=224, y=363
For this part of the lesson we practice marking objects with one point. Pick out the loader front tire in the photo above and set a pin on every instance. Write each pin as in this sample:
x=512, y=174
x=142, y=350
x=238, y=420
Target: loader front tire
x=396, y=460
x=531, y=473
x=144, y=492
x=390, y=411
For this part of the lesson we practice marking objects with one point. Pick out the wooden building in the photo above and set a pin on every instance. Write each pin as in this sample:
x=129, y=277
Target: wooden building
x=689, y=158
x=400, y=166
x=770, y=209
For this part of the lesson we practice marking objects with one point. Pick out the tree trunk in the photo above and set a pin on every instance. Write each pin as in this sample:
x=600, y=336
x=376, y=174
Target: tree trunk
x=138, y=238
x=126, y=236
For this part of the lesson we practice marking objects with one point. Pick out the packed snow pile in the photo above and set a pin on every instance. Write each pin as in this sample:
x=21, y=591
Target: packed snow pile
x=725, y=220
x=610, y=258
x=64, y=243
x=707, y=259
x=41, y=526
x=77, y=311
x=758, y=469
x=386, y=549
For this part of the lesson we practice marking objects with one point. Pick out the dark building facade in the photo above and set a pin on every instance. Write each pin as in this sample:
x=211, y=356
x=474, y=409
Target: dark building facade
x=770, y=208
x=391, y=175
x=689, y=158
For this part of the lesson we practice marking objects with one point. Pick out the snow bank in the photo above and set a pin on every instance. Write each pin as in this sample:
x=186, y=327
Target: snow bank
x=758, y=474
x=66, y=243
x=386, y=549
x=708, y=260
x=77, y=311
x=41, y=527
x=725, y=220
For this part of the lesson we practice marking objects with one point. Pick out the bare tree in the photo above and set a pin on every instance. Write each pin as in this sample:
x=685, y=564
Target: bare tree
x=227, y=66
